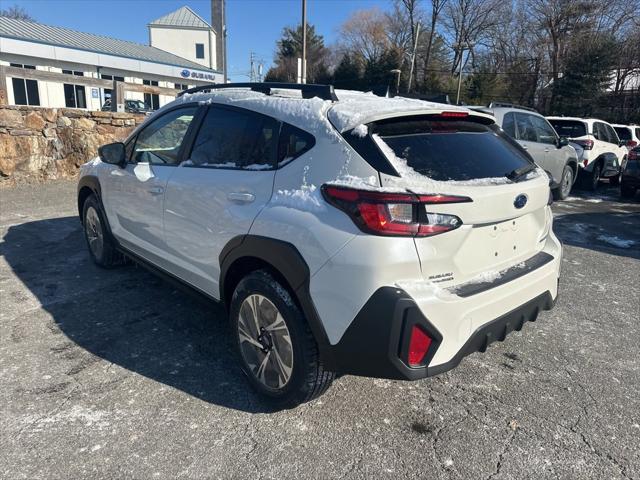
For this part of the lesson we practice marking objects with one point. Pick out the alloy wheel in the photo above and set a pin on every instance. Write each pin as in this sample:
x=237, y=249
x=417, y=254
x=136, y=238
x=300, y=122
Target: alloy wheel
x=567, y=181
x=93, y=230
x=265, y=342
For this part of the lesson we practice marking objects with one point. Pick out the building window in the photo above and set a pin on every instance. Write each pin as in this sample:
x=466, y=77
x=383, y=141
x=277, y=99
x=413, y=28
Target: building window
x=199, y=50
x=25, y=92
x=181, y=86
x=74, y=95
x=107, y=91
x=151, y=99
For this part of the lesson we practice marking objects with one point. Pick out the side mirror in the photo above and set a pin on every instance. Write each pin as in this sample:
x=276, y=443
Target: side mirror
x=562, y=142
x=113, y=153
x=622, y=143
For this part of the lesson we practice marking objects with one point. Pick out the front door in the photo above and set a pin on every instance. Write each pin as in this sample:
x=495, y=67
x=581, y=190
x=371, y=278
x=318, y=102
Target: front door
x=218, y=192
x=134, y=195
x=527, y=137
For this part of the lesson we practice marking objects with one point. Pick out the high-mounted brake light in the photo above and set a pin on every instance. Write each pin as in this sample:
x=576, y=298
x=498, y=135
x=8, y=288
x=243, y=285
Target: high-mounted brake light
x=454, y=114
x=394, y=214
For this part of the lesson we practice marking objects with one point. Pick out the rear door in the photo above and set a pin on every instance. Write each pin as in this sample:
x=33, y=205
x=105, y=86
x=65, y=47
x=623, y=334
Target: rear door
x=134, y=195
x=217, y=193
x=504, y=223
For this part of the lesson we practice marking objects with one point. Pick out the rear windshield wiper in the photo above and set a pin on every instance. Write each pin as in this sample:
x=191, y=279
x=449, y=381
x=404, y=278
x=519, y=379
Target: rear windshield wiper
x=520, y=172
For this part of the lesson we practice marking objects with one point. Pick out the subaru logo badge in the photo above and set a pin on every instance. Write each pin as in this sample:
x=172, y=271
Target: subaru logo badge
x=520, y=201
x=185, y=73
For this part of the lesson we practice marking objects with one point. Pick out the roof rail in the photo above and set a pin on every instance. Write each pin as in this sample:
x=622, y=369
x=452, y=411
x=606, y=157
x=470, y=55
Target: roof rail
x=510, y=105
x=309, y=90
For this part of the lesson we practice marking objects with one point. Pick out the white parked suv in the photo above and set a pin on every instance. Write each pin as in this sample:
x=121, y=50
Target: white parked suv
x=603, y=154
x=346, y=234
x=630, y=134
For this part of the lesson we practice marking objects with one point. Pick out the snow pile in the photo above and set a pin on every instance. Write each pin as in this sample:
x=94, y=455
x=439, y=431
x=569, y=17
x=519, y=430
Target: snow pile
x=488, y=276
x=360, y=131
x=307, y=197
x=616, y=241
x=253, y=166
x=425, y=289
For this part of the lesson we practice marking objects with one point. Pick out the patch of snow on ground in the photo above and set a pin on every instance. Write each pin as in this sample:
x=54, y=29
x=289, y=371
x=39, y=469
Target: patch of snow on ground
x=360, y=131
x=616, y=241
x=307, y=197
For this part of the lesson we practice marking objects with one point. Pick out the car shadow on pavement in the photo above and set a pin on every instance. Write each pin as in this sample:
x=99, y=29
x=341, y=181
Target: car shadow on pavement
x=609, y=232
x=125, y=315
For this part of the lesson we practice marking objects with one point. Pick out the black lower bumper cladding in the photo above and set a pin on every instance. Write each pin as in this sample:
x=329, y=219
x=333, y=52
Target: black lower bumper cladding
x=375, y=342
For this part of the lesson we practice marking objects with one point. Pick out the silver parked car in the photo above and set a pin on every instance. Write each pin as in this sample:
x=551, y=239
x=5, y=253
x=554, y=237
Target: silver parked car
x=536, y=135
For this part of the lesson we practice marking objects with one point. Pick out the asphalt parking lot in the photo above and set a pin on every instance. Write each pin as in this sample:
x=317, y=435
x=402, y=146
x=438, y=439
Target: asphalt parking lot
x=115, y=374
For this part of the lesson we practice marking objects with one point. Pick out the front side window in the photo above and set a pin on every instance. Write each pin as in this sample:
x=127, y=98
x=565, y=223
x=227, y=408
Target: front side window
x=546, y=133
x=159, y=143
x=527, y=131
x=452, y=150
x=199, y=50
x=235, y=139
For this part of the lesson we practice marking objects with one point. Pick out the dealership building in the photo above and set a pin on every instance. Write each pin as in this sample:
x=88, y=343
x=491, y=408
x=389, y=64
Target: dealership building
x=181, y=54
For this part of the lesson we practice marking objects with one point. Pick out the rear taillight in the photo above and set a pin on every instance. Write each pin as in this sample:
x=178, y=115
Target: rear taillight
x=419, y=344
x=631, y=143
x=394, y=214
x=586, y=144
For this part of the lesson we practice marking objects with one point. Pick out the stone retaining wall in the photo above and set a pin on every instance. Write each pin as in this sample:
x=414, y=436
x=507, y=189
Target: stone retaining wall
x=49, y=143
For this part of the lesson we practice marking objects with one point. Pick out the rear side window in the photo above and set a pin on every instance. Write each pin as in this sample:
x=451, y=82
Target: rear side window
x=611, y=134
x=623, y=132
x=509, y=124
x=600, y=132
x=569, y=128
x=453, y=150
x=527, y=131
x=235, y=139
x=293, y=143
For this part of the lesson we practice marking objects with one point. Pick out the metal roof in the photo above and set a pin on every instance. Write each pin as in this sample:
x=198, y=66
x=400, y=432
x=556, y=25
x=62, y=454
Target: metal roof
x=65, y=37
x=183, y=17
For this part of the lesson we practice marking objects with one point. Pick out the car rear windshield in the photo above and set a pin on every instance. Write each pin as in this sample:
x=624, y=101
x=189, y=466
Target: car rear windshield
x=569, y=128
x=624, y=133
x=453, y=149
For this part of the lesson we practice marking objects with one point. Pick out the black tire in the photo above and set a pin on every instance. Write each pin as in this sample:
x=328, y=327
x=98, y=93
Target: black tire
x=627, y=191
x=566, y=182
x=591, y=179
x=307, y=378
x=615, y=180
x=94, y=223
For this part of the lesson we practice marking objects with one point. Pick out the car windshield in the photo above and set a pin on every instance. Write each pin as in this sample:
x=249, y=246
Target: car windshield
x=453, y=150
x=569, y=128
x=623, y=132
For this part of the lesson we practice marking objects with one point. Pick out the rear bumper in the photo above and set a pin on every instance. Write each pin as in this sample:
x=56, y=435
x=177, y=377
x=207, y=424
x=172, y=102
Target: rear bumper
x=375, y=344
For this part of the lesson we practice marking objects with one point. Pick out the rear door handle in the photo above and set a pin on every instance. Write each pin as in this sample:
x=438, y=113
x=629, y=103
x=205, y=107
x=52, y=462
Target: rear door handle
x=156, y=190
x=241, y=197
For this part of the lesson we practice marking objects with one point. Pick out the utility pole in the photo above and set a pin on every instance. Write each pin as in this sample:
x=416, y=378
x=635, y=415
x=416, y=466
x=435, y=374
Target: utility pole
x=461, y=46
x=304, y=41
x=413, y=56
x=219, y=24
x=252, y=72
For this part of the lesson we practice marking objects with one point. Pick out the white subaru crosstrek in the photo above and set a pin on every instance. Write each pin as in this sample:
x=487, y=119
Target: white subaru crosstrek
x=346, y=234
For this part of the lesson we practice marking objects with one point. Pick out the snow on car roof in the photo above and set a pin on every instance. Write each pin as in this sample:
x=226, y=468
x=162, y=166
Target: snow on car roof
x=352, y=108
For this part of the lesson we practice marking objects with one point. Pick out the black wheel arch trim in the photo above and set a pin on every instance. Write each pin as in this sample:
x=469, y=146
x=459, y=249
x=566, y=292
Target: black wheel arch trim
x=91, y=182
x=285, y=258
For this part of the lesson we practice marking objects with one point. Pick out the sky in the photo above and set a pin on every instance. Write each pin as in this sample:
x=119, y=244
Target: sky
x=252, y=25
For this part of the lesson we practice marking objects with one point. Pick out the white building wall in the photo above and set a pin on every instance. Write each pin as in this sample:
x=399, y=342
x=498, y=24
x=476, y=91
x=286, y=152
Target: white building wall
x=182, y=42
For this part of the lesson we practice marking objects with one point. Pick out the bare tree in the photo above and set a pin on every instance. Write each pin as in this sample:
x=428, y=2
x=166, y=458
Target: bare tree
x=365, y=33
x=436, y=9
x=17, y=13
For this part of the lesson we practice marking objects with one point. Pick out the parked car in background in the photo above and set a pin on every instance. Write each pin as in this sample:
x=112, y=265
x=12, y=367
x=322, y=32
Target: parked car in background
x=131, y=106
x=534, y=133
x=630, y=182
x=381, y=237
x=603, y=154
x=629, y=134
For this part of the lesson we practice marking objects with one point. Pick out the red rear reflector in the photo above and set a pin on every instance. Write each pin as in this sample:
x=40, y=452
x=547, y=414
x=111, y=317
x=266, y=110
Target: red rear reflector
x=454, y=114
x=585, y=162
x=419, y=344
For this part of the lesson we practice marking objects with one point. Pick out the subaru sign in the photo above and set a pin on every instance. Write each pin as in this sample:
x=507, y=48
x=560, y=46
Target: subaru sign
x=197, y=75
